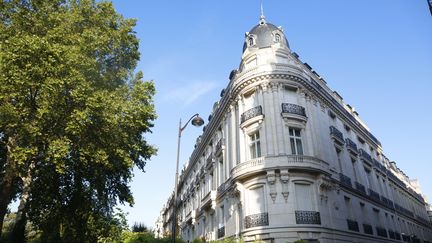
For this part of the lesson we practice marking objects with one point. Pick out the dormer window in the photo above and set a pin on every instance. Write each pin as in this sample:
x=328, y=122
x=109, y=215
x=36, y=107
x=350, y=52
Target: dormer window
x=250, y=41
x=277, y=38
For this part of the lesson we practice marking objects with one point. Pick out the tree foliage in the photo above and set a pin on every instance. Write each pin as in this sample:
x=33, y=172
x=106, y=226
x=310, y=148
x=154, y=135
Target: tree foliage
x=72, y=114
x=139, y=227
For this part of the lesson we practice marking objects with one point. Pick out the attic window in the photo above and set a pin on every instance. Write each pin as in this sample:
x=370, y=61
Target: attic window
x=277, y=38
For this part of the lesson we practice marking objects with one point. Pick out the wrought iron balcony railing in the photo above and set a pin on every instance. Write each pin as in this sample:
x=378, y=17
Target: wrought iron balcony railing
x=353, y=225
x=367, y=229
x=293, y=109
x=360, y=187
x=387, y=202
x=307, y=217
x=251, y=113
x=365, y=156
x=381, y=232
x=221, y=232
x=345, y=180
x=403, y=210
x=337, y=134
x=391, y=234
x=351, y=146
x=397, y=235
x=255, y=220
x=374, y=195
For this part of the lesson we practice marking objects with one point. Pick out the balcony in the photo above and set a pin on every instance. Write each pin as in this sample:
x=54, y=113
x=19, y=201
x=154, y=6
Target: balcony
x=209, y=161
x=387, y=202
x=345, y=180
x=255, y=220
x=374, y=195
x=337, y=135
x=307, y=217
x=351, y=146
x=404, y=211
x=392, y=234
x=381, y=232
x=365, y=157
x=302, y=162
x=353, y=225
x=367, y=229
x=221, y=232
x=293, y=111
x=208, y=199
x=251, y=113
x=360, y=188
x=397, y=235
x=222, y=187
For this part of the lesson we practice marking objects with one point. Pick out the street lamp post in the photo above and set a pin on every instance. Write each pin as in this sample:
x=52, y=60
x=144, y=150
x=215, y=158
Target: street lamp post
x=196, y=121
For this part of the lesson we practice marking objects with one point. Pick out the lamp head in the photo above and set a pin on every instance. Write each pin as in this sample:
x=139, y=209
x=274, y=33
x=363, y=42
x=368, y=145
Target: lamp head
x=197, y=121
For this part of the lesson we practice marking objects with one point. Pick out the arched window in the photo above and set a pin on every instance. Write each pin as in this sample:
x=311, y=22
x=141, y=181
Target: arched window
x=277, y=38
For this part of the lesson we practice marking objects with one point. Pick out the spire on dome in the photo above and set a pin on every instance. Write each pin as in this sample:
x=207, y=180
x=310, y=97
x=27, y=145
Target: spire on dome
x=262, y=17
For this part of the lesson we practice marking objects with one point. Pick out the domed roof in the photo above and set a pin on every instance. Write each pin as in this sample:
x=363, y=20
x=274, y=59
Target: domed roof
x=264, y=35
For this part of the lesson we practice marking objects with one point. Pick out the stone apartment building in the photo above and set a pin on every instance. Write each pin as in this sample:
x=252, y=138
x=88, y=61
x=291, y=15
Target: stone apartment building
x=283, y=158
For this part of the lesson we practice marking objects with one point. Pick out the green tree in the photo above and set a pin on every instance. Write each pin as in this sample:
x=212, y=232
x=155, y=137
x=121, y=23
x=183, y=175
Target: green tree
x=72, y=115
x=139, y=227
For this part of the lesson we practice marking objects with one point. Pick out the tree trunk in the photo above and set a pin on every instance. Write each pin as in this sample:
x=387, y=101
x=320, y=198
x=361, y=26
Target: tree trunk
x=18, y=231
x=7, y=186
x=5, y=198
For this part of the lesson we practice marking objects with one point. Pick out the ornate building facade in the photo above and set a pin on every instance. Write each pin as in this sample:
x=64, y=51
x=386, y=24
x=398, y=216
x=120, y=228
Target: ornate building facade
x=283, y=158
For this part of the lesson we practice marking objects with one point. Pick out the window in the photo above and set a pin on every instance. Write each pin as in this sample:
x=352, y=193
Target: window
x=255, y=145
x=221, y=172
x=353, y=163
x=338, y=154
x=368, y=177
x=222, y=216
x=277, y=38
x=256, y=199
x=303, y=197
x=295, y=140
x=348, y=208
x=251, y=42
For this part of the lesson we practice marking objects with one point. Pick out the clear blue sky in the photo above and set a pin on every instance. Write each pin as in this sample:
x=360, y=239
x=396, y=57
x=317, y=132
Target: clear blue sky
x=376, y=54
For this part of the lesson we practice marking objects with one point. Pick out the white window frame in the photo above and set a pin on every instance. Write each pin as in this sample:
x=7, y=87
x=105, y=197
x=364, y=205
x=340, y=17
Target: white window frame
x=254, y=144
x=295, y=138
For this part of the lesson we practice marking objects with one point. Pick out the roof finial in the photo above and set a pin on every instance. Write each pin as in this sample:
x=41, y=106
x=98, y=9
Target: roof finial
x=262, y=17
x=262, y=10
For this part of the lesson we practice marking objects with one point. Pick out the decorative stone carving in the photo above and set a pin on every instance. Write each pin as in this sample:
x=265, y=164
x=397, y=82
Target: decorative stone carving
x=274, y=87
x=265, y=86
x=323, y=106
x=271, y=179
x=314, y=101
x=284, y=177
x=233, y=192
x=324, y=185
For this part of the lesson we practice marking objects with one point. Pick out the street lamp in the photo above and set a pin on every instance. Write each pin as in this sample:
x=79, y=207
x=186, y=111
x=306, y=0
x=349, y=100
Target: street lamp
x=196, y=121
